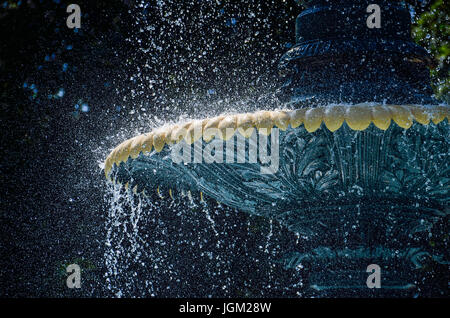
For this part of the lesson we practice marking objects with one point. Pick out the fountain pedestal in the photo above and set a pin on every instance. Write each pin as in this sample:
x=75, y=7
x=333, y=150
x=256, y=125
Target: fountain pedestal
x=394, y=237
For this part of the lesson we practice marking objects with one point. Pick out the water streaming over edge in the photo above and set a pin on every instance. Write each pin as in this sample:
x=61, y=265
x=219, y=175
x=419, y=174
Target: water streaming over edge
x=145, y=247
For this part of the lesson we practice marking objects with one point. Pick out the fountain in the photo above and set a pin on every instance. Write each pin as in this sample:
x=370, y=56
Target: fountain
x=357, y=159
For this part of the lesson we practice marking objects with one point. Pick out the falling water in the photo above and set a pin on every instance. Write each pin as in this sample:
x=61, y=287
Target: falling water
x=154, y=248
x=159, y=248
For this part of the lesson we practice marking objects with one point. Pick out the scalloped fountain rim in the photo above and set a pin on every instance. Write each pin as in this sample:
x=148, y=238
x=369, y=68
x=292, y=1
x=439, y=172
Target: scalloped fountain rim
x=357, y=117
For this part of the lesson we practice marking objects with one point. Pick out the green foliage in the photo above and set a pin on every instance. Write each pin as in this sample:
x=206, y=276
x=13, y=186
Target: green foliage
x=432, y=31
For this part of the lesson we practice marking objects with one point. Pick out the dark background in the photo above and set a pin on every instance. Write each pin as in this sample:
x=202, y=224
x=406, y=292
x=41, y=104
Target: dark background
x=67, y=97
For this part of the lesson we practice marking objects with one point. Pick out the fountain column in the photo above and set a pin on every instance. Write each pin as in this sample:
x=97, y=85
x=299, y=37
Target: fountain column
x=339, y=58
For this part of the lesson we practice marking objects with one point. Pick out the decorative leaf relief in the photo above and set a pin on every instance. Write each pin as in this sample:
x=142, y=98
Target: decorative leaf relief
x=418, y=162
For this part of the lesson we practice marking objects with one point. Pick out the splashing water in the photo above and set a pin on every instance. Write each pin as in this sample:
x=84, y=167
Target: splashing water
x=123, y=240
x=159, y=249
